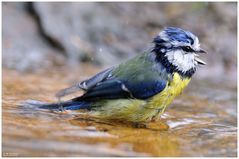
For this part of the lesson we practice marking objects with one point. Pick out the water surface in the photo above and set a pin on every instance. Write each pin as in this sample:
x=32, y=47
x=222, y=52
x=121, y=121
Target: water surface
x=201, y=122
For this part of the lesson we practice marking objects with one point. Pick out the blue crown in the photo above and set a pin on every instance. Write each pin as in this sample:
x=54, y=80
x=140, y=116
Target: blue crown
x=177, y=34
x=171, y=34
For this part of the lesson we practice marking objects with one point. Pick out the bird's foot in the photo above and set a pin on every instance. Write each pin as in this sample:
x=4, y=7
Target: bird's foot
x=140, y=125
x=158, y=125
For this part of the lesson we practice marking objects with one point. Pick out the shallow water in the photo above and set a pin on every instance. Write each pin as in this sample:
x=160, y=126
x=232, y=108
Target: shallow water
x=201, y=122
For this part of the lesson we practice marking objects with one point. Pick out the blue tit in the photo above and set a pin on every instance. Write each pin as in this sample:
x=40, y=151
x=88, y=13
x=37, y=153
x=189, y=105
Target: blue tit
x=139, y=89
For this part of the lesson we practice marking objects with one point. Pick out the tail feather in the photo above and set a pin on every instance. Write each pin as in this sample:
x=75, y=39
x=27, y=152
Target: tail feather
x=68, y=105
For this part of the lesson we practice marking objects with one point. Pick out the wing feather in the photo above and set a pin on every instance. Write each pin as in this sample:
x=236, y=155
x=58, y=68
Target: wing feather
x=115, y=89
x=87, y=84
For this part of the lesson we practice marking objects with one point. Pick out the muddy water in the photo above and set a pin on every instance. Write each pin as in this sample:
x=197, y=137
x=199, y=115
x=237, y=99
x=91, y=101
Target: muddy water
x=201, y=122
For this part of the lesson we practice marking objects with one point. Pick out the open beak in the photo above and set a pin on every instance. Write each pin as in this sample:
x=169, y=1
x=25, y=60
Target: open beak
x=201, y=51
x=199, y=61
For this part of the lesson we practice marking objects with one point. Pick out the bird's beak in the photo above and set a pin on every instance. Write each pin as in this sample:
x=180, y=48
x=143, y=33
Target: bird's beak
x=199, y=61
x=201, y=51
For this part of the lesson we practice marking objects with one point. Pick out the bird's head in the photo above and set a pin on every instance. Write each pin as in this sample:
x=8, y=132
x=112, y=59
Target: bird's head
x=180, y=48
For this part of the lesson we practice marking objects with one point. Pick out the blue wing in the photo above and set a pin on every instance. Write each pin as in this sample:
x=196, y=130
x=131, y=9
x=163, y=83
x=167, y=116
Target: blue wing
x=139, y=78
x=147, y=89
x=115, y=88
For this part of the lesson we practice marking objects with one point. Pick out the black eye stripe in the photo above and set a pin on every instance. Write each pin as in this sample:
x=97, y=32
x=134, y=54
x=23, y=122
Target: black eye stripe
x=187, y=49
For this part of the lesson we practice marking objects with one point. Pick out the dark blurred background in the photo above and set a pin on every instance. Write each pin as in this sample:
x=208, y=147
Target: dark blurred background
x=39, y=36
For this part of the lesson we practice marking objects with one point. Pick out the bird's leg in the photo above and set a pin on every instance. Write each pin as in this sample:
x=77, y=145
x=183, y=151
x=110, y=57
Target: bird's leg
x=159, y=113
x=161, y=126
x=140, y=125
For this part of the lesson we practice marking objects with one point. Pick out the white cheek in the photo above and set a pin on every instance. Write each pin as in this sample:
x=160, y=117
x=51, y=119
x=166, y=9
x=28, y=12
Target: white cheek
x=189, y=60
x=183, y=62
x=178, y=58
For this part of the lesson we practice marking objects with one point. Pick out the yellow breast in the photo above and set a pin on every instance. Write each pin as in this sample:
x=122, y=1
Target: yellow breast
x=173, y=89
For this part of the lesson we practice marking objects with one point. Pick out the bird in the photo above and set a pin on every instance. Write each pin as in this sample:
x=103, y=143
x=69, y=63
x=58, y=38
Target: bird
x=140, y=89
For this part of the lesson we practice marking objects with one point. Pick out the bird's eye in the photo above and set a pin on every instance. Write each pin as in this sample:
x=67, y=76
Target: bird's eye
x=187, y=49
